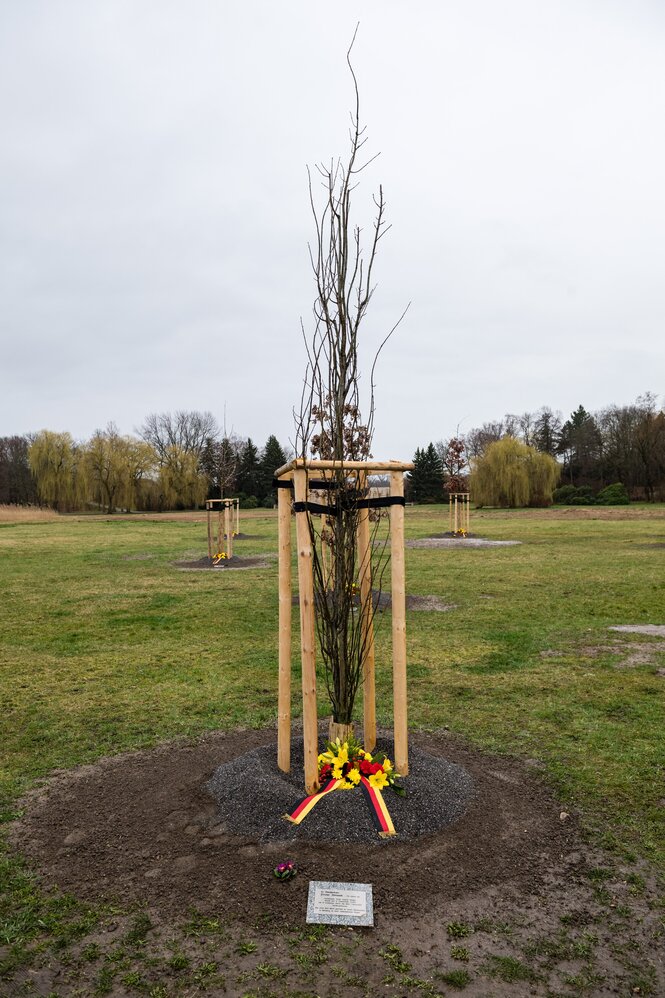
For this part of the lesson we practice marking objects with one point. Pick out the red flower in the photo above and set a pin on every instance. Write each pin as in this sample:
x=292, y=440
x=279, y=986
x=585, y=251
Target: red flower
x=325, y=771
x=366, y=767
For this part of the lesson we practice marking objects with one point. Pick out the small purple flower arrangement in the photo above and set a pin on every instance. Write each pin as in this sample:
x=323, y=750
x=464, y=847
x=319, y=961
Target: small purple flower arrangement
x=286, y=870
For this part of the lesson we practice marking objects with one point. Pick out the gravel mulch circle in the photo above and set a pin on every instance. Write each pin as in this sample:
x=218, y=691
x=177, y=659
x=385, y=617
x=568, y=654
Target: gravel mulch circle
x=226, y=564
x=458, y=542
x=252, y=793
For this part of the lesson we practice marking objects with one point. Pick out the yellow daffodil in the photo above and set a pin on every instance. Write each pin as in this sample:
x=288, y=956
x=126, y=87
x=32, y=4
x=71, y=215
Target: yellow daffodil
x=387, y=766
x=354, y=776
x=378, y=781
x=368, y=756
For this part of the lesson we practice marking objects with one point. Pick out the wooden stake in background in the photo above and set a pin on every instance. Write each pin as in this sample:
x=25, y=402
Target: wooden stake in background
x=307, y=636
x=209, y=514
x=399, y=626
x=228, y=530
x=284, y=692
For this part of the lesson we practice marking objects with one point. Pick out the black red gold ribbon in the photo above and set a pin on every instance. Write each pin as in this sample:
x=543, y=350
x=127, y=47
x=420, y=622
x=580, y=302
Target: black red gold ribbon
x=302, y=809
x=374, y=798
x=377, y=808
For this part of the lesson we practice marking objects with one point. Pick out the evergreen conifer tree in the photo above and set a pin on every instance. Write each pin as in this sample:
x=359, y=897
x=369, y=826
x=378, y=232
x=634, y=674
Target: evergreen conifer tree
x=249, y=469
x=273, y=457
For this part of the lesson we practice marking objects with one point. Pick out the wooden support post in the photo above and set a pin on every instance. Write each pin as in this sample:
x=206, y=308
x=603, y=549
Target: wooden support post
x=307, y=636
x=400, y=721
x=468, y=513
x=237, y=502
x=209, y=515
x=284, y=691
x=228, y=530
x=367, y=625
x=220, y=530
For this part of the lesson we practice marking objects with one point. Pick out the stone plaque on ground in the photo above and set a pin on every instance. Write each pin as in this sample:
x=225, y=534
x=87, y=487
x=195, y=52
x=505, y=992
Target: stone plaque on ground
x=332, y=903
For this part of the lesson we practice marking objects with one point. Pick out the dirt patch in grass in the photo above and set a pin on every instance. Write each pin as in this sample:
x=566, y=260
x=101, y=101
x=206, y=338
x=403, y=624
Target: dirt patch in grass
x=509, y=892
x=443, y=541
x=628, y=654
x=226, y=564
x=657, y=630
x=383, y=601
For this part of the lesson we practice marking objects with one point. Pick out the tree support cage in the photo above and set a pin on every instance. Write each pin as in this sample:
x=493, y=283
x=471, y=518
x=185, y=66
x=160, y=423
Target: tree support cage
x=295, y=481
x=228, y=523
x=459, y=512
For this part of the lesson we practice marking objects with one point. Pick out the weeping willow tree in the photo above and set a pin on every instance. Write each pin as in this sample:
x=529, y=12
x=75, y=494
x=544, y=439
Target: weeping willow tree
x=54, y=461
x=330, y=425
x=511, y=474
x=180, y=480
x=114, y=466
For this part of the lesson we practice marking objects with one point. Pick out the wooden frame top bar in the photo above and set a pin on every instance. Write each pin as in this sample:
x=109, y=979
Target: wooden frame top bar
x=299, y=463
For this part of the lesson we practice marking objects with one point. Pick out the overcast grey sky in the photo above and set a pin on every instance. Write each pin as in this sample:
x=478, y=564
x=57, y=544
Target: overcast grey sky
x=153, y=245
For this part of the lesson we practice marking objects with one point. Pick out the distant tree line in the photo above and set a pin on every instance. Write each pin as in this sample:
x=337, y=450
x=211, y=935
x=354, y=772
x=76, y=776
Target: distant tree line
x=176, y=461
x=592, y=454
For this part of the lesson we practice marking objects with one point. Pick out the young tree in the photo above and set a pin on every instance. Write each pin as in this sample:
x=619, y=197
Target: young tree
x=330, y=424
x=455, y=465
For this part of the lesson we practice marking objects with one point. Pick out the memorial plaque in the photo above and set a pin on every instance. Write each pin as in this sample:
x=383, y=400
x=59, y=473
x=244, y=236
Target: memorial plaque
x=331, y=903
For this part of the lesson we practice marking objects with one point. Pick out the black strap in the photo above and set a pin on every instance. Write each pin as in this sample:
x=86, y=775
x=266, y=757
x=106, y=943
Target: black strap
x=380, y=502
x=314, y=507
x=313, y=484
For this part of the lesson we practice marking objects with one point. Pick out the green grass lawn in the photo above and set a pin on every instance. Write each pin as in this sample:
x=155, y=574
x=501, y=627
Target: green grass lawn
x=105, y=646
